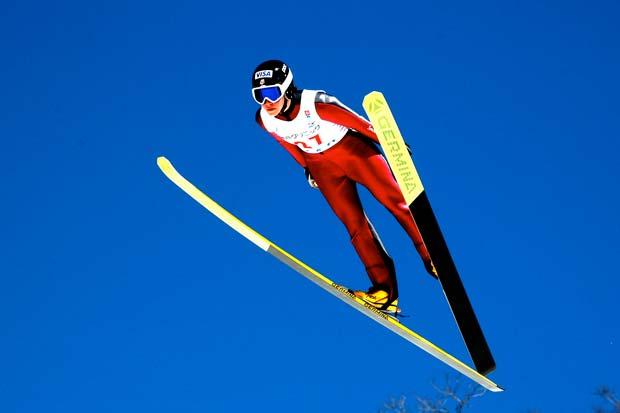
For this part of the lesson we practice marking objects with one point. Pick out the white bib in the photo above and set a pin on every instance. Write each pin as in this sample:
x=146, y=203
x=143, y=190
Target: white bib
x=308, y=131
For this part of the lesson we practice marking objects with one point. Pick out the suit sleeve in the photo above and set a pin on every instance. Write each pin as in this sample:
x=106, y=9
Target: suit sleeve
x=332, y=110
x=295, y=152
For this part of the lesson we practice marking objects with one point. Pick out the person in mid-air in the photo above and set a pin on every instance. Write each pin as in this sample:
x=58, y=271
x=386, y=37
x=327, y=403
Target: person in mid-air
x=338, y=150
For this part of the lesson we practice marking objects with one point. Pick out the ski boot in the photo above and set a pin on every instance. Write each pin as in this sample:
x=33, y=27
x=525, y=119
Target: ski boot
x=380, y=300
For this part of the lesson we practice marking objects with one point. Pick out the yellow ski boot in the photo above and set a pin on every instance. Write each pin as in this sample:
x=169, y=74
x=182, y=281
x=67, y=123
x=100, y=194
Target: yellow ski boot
x=379, y=299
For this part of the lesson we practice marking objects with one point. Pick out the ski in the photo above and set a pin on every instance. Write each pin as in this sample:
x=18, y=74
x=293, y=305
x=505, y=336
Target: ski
x=404, y=170
x=322, y=281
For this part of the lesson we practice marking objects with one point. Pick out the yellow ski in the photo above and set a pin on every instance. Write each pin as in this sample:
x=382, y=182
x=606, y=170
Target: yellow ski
x=339, y=291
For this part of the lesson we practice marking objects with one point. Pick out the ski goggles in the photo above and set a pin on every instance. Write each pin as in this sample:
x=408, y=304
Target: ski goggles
x=262, y=94
x=272, y=93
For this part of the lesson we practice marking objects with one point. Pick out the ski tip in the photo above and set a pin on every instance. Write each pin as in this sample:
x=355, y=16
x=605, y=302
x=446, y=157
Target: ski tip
x=163, y=163
x=373, y=95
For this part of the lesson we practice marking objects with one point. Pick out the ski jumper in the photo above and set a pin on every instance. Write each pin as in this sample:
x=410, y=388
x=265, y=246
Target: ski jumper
x=338, y=148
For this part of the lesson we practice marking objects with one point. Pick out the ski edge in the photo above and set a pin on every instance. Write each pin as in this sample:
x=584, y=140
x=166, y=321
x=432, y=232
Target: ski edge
x=320, y=280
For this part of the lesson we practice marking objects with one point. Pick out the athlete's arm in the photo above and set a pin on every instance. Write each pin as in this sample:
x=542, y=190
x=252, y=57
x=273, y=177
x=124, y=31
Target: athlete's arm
x=332, y=110
x=292, y=149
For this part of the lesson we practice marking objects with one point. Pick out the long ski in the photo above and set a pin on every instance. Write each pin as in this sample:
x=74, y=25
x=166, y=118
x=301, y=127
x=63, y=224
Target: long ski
x=322, y=281
x=411, y=186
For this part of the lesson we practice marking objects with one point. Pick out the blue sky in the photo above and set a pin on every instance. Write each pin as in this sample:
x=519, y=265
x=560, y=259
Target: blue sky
x=119, y=293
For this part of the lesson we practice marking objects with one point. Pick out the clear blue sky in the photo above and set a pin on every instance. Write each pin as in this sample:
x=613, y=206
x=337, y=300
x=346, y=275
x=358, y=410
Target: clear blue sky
x=119, y=293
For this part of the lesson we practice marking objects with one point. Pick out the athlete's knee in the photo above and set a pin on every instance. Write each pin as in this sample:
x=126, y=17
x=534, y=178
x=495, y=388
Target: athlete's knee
x=402, y=213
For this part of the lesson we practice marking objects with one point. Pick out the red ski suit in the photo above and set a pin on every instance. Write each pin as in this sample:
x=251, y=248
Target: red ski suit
x=337, y=170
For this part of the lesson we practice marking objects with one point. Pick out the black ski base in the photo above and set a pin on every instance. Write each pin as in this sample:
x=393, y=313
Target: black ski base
x=452, y=285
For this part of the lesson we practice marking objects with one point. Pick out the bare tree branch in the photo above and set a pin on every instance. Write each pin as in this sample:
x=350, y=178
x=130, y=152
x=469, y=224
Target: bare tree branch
x=395, y=405
x=609, y=396
x=449, y=397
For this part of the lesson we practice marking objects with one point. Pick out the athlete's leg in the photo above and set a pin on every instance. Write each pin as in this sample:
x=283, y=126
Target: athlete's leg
x=342, y=196
x=368, y=167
